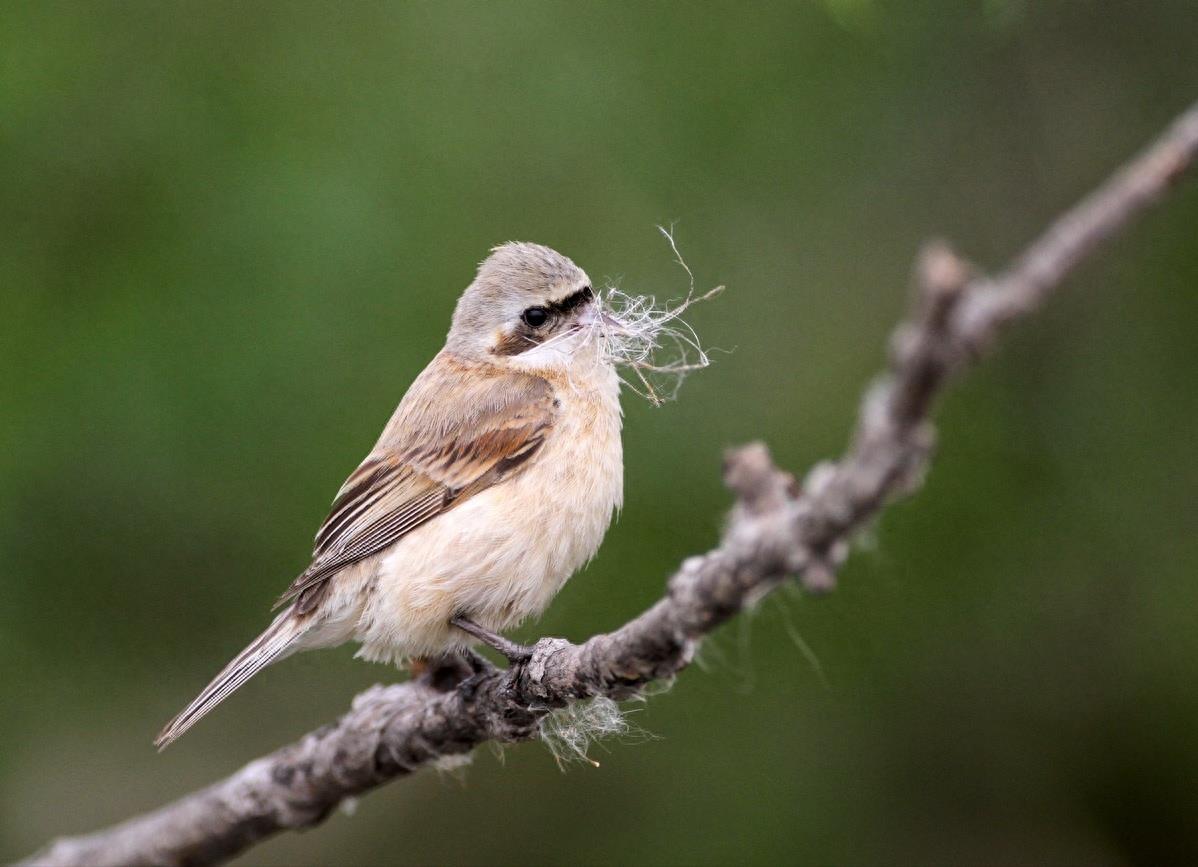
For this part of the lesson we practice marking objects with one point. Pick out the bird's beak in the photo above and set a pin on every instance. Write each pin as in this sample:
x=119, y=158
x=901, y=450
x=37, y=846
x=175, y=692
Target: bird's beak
x=590, y=315
x=594, y=314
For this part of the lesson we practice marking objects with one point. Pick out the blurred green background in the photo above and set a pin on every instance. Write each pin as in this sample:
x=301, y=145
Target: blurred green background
x=231, y=234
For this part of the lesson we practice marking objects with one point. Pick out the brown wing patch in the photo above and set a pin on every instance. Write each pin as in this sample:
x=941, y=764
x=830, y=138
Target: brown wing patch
x=363, y=488
x=462, y=428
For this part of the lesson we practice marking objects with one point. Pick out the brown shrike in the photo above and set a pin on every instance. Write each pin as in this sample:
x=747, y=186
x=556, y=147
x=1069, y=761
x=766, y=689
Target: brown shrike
x=493, y=482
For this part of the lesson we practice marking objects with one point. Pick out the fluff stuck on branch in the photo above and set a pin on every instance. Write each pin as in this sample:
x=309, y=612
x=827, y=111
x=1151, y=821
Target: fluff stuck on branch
x=571, y=731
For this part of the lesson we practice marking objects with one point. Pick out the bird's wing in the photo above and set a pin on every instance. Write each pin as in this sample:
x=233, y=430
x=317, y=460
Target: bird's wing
x=462, y=428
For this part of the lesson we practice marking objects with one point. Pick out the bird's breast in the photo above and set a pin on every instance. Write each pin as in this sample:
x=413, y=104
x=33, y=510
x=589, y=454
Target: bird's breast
x=566, y=499
x=580, y=474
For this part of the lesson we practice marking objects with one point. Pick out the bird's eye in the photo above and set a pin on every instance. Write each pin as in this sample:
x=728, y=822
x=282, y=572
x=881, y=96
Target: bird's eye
x=535, y=317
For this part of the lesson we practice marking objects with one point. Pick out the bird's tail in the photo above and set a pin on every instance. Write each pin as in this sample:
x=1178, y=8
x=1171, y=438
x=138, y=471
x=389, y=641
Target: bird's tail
x=277, y=641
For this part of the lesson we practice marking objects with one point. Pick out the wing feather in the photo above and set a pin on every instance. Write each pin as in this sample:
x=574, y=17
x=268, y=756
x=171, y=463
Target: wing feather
x=462, y=427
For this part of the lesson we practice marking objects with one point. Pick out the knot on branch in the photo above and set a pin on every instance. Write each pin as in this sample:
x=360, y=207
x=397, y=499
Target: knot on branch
x=549, y=676
x=760, y=486
x=943, y=275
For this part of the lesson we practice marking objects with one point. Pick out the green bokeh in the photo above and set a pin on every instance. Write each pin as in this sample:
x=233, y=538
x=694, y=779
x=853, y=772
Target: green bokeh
x=231, y=234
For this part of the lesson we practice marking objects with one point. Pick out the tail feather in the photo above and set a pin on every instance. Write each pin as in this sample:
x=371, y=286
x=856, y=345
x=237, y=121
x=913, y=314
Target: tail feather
x=273, y=644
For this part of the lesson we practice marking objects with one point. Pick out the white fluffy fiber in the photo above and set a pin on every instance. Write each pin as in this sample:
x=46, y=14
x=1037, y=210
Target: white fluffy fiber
x=570, y=731
x=651, y=339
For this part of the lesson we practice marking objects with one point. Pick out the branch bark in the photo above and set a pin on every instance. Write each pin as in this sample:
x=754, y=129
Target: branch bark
x=776, y=529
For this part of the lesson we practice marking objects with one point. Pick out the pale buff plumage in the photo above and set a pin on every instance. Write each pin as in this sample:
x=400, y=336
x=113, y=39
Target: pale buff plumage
x=494, y=481
x=513, y=546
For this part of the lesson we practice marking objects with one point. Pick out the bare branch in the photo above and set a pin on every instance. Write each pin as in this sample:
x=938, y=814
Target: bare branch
x=774, y=530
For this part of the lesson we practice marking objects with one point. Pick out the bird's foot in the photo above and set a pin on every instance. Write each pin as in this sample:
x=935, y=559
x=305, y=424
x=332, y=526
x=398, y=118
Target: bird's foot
x=516, y=654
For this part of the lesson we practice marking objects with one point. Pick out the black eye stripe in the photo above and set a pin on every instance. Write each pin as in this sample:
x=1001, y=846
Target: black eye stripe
x=538, y=316
x=571, y=301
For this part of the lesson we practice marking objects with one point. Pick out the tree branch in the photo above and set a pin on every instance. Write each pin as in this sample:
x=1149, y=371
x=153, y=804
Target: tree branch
x=775, y=530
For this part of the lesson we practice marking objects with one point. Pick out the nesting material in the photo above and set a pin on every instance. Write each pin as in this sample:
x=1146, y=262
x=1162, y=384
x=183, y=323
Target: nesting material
x=570, y=731
x=453, y=764
x=650, y=339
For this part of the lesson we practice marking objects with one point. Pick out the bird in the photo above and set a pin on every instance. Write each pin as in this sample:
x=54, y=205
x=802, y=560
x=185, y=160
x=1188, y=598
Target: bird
x=494, y=481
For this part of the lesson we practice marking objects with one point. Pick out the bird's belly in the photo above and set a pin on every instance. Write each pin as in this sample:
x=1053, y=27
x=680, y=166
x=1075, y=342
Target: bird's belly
x=500, y=556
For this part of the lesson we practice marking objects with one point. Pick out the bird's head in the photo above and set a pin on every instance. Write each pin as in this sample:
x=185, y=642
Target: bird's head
x=530, y=307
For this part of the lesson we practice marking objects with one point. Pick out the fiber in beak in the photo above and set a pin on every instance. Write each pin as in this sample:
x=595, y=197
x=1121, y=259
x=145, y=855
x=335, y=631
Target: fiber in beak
x=650, y=339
